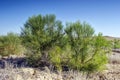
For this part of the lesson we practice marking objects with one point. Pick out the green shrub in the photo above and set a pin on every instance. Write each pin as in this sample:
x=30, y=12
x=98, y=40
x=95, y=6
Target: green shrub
x=78, y=48
x=89, y=51
x=11, y=45
x=40, y=34
x=33, y=59
x=116, y=44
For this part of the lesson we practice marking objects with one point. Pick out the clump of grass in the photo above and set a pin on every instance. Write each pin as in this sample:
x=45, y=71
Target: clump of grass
x=11, y=73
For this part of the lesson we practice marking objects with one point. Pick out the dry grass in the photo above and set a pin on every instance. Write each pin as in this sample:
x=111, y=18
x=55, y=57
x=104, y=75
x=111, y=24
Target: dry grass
x=10, y=73
x=111, y=73
x=24, y=73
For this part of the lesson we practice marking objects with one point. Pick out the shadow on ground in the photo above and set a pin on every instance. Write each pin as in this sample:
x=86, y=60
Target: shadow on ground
x=14, y=62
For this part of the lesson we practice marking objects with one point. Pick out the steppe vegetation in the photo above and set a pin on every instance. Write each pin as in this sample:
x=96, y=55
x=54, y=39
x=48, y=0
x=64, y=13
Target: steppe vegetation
x=51, y=51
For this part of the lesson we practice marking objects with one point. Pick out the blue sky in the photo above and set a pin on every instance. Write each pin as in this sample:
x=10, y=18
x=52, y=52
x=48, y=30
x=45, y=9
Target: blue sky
x=102, y=15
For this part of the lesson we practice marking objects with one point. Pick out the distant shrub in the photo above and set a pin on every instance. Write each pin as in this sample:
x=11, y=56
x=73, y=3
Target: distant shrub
x=116, y=44
x=11, y=45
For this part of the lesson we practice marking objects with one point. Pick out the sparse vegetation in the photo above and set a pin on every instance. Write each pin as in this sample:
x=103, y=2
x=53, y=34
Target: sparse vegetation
x=45, y=39
x=116, y=44
x=11, y=45
x=10, y=73
x=46, y=42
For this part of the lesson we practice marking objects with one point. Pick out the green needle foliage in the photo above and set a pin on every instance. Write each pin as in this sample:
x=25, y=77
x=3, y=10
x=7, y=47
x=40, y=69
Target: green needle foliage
x=10, y=45
x=78, y=48
x=89, y=51
x=41, y=33
x=48, y=44
x=116, y=44
x=56, y=57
